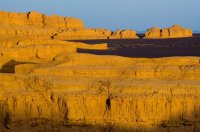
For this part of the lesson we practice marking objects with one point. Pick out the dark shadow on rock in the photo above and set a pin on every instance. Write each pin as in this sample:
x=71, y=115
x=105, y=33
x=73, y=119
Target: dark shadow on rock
x=181, y=123
x=9, y=67
x=147, y=48
x=175, y=124
x=146, y=52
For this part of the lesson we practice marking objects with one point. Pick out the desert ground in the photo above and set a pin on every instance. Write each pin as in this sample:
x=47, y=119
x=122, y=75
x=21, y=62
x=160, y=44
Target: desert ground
x=58, y=75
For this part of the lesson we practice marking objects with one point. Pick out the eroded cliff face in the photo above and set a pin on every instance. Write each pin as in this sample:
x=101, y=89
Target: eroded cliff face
x=176, y=31
x=97, y=93
x=40, y=20
x=36, y=25
x=45, y=85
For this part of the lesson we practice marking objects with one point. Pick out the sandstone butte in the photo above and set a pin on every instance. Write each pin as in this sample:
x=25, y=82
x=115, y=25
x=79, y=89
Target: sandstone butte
x=45, y=85
x=176, y=31
x=37, y=25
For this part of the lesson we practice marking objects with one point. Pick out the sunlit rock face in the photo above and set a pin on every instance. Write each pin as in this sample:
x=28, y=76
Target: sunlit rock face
x=176, y=31
x=41, y=20
x=37, y=25
x=83, y=34
x=46, y=85
x=86, y=91
x=123, y=34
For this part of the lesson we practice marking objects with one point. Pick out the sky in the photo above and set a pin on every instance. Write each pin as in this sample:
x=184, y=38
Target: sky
x=138, y=15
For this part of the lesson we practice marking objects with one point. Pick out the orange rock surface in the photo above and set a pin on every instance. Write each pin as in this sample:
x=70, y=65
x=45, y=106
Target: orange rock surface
x=175, y=31
x=37, y=25
x=123, y=34
x=45, y=85
x=38, y=19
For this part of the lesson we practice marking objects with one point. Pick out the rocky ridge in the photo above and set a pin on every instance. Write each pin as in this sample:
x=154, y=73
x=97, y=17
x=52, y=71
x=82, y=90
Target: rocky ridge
x=37, y=25
x=176, y=31
x=45, y=85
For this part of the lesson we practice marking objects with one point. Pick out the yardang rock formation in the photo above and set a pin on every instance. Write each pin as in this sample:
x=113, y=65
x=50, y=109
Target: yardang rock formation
x=46, y=85
x=175, y=31
x=38, y=25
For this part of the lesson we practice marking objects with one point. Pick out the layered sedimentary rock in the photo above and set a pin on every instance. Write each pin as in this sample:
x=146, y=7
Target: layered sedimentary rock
x=73, y=23
x=154, y=32
x=81, y=34
x=45, y=85
x=42, y=49
x=123, y=34
x=16, y=31
x=175, y=31
x=35, y=18
x=38, y=19
x=84, y=34
x=37, y=25
x=98, y=93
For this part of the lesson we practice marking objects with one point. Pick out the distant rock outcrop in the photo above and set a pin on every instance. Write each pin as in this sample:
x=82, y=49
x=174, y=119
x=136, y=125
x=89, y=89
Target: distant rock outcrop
x=47, y=84
x=37, y=25
x=38, y=19
x=121, y=34
x=81, y=34
x=176, y=31
x=95, y=34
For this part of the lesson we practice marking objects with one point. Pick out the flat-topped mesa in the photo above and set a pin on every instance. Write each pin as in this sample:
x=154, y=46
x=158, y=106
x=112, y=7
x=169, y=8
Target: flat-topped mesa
x=37, y=25
x=122, y=34
x=34, y=18
x=176, y=31
x=98, y=33
x=83, y=34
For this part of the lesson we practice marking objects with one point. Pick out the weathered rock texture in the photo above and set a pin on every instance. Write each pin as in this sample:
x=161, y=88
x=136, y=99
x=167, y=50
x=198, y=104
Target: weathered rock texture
x=36, y=25
x=97, y=93
x=45, y=85
x=175, y=31
x=84, y=34
x=42, y=49
x=41, y=20
x=123, y=34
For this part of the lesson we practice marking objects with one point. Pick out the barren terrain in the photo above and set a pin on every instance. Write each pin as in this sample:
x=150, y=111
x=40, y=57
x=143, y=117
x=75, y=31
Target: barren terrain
x=58, y=75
